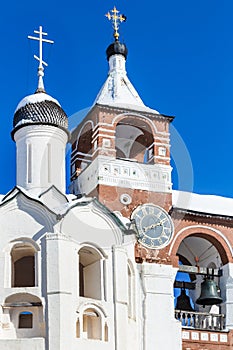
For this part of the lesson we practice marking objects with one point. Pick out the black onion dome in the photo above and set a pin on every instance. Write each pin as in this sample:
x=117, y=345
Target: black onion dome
x=117, y=48
x=43, y=112
x=40, y=108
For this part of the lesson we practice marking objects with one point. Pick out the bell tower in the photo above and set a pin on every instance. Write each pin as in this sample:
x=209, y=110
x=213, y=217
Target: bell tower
x=121, y=150
x=121, y=155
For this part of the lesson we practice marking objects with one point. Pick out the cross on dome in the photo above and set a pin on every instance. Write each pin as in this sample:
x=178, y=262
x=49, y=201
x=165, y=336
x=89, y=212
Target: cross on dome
x=40, y=87
x=116, y=19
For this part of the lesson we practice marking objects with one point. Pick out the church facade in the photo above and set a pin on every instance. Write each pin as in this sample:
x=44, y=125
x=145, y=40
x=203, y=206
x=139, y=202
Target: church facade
x=123, y=261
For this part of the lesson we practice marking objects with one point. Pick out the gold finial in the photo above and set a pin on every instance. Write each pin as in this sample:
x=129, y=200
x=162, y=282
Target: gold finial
x=115, y=17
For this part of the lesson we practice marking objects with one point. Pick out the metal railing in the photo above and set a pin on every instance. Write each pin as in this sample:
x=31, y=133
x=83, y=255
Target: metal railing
x=201, y=320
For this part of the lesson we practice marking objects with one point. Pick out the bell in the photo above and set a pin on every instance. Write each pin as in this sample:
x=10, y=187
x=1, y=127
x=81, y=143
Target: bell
x=209, y=293
x=183, y=302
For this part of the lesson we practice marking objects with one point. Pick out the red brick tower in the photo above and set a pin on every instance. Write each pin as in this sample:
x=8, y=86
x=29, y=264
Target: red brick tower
x=121, y=150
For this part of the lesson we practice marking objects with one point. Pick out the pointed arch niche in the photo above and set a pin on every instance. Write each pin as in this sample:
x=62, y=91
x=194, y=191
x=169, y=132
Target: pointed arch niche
x=91, y=273
x=134, y=140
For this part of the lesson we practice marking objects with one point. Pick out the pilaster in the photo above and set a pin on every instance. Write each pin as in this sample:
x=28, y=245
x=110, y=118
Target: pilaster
x=59, y=292
x=161, y=330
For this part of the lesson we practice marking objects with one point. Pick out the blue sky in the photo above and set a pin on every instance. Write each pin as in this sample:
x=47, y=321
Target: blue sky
x=180, y=61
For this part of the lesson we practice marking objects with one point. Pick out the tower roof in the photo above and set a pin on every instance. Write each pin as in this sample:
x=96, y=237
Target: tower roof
x=118, y=91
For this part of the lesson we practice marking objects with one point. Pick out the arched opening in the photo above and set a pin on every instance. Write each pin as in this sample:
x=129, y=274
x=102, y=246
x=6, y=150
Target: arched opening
x=91, y=273
x=23, y=265
x=200, y=260
x=82, y=150
x=134, y=140
x=199, y=250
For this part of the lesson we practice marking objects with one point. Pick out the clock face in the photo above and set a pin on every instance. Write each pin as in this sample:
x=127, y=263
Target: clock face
x=154, y=226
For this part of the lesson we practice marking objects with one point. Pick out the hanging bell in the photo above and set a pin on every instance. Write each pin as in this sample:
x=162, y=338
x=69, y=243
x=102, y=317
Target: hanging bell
x=183, y=302
x=209, y=293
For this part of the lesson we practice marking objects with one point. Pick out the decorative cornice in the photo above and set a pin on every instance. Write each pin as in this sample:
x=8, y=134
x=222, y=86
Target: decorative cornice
x=201, y=214
x=141, y=111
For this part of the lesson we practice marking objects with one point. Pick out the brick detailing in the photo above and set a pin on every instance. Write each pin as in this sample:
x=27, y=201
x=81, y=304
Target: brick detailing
x=110, y=196
x=206, y=340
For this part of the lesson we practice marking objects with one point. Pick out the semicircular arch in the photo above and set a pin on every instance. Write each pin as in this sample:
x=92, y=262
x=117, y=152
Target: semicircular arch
x=216, y=237
x=122, y=116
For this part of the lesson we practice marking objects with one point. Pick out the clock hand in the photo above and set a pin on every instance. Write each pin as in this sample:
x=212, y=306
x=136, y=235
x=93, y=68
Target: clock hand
x=152, y=226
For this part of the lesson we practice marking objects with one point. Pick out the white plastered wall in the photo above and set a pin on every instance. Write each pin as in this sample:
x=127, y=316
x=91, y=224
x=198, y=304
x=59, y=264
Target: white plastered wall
x=40, y=157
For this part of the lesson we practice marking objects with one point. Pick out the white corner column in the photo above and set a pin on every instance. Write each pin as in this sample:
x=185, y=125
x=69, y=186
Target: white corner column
x=161, y=330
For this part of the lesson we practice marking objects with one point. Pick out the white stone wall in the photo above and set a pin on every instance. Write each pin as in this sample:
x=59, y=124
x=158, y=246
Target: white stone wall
x=22, y=344
x=127, y=304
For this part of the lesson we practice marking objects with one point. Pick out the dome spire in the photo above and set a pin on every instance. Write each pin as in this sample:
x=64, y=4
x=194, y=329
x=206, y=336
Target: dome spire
x=116, y=19
x=40, y=87
x=118, y=91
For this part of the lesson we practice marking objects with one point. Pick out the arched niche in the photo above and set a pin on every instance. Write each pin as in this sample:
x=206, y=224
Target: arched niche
x=91, y=272
x=23, y=253
x=24, y=313
x=92, y=323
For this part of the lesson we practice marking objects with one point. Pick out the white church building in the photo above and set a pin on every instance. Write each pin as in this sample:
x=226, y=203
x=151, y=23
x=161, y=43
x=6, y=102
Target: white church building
x=97, y=268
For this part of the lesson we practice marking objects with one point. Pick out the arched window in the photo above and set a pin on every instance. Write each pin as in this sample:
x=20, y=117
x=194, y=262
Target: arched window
x=25, y=319
x=23, y=265
x=197, y=252
x=91, y=273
